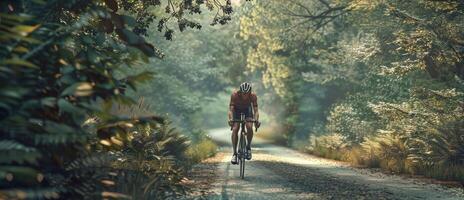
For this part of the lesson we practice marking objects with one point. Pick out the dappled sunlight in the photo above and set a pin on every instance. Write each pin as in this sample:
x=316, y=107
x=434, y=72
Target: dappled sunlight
x=282, y=173
x=134, y=99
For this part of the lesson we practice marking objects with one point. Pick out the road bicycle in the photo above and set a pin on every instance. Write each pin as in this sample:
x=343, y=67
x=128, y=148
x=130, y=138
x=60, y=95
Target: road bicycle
x=242, y=142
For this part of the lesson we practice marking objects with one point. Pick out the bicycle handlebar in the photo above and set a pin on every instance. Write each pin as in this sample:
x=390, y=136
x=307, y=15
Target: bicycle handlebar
x=250, y=120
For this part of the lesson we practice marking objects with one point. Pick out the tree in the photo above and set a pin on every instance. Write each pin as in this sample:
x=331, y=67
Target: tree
x=59, y=72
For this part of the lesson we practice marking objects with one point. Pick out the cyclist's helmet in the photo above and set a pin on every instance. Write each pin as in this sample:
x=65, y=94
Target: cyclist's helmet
x=245, y=87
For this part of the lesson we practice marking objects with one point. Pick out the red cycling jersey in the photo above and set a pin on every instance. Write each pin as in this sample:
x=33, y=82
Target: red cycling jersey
x=243, y=101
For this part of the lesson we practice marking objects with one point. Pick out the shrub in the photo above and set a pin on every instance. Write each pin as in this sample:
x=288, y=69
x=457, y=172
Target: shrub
x=440, y=154
x=151, y=166
x=359, y=156
x=328, y=146
x=393, y=153
x=388, y=151
x=197, y=152
x=445, y=147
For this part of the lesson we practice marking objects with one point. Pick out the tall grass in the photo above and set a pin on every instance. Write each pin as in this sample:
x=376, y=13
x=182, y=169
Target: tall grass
x=328, y=146
x=442, y=159
x=153, y=163
x=205, y=148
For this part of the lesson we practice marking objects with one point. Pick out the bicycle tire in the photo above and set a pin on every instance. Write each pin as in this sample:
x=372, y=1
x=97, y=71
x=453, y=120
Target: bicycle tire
x=242, y=156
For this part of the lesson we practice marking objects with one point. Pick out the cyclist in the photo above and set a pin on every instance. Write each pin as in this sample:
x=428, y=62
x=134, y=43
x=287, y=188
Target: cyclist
x=246, y=102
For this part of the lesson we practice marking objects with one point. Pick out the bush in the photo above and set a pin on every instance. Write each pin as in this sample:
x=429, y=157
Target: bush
x=394, y=153
x=359, y=156
x=205, y=148
x=328, y=146
x=444, y=172
x=152, y=165
x=155, y=159
x=440, y=154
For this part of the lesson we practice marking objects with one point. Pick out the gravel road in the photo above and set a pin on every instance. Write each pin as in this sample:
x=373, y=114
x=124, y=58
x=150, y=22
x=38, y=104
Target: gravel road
x=277, y=172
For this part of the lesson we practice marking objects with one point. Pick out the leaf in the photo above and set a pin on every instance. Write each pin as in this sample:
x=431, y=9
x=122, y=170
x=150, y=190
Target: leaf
x=78, y=89
x=16, y=18
x=24, y=30
x=125, y=100
x=53, y=127
x=142, y=77
x=13, y=91
x=21, y=49
x=14, y=152
x=100, y=39
x=9, y=36
x=20, y=62
x=9, y=145
x=114, y=195
x=67, y=107
x=5, y=71
x=48, y=101
x=21, y=174
x=92, y=56
x=67, y=78
x=87, y=39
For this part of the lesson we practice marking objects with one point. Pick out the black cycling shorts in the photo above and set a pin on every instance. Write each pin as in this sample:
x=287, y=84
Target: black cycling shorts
x=248, y=112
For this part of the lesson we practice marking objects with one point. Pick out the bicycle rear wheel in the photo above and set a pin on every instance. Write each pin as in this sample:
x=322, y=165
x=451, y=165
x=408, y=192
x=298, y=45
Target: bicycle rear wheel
x=242, y=155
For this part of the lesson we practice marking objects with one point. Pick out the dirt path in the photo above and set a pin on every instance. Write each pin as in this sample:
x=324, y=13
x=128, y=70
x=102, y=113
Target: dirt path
x=282, y=173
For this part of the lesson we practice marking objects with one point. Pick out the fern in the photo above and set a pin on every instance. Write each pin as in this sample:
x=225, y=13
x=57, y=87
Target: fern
x=444, y=147
x=151, y=166
x=13, y=152
x=42, y=193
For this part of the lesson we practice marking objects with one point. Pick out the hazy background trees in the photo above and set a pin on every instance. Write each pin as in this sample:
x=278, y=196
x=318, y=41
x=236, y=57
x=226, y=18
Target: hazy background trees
x=72, y=127
x=380, y=82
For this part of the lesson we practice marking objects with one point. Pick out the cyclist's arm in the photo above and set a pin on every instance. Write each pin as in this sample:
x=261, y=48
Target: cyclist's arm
x=255, y=107
x=231, y=107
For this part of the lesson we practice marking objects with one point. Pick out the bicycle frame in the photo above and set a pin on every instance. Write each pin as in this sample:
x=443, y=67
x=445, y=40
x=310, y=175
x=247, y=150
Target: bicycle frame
x=242, y=143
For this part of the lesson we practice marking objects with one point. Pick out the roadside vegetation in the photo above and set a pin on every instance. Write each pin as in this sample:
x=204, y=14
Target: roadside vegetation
x=375, y=83
x=104, y=99
x=72, y=123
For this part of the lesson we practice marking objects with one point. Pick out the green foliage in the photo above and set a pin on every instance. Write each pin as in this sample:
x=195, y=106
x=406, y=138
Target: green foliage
x=60, y=74
x=397, y=154
x=445, y=147
x=198, y=67
x=391, y=151
x=328, y=146
x=150, y=166
x=385, y=76
x=201, y=150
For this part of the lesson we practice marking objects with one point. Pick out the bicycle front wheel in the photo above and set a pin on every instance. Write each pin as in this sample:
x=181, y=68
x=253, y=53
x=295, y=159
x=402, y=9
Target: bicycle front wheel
x=242, y=156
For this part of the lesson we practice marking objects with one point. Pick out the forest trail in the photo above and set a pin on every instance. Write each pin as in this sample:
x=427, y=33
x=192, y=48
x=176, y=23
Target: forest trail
x=277, y=172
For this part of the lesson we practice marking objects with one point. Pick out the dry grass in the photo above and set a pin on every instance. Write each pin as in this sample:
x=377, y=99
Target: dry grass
x=444, y=172
x=388, y=152
x=201, y=150
x=328, y=146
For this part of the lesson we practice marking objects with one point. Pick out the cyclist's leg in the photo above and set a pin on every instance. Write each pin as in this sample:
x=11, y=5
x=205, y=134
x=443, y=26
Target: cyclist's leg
x=235, y=127
x=249, y=127
x=235, y=137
